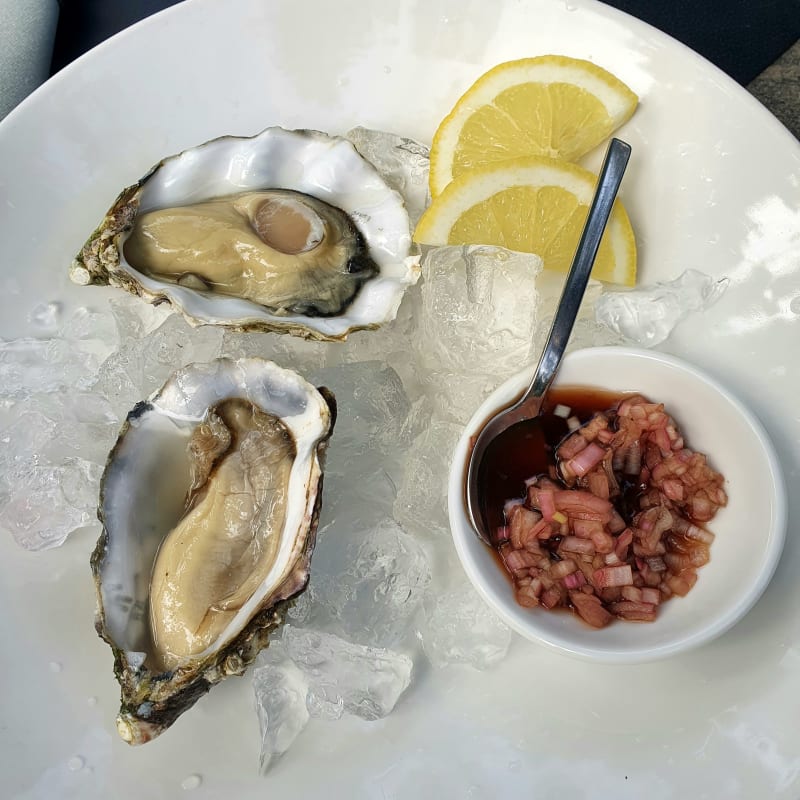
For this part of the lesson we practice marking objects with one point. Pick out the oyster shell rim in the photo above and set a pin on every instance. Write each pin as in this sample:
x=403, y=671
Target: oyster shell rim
x=150, y=702
x=101, y=261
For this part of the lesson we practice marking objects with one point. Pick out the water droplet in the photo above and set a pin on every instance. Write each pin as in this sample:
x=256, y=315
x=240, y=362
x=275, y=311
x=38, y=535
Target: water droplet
x=91, y=701
x=794, y=305
x=473, y=791
x=55, y=666
x=570, y=6
x=192, y=782
x=387, y=69
x=343, y=81
x=514, y=765
x=713, y=239
x=76, y=763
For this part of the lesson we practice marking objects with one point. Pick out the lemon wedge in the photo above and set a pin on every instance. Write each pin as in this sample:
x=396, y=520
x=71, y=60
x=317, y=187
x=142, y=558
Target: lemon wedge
x=551, y=105
x=532, y=205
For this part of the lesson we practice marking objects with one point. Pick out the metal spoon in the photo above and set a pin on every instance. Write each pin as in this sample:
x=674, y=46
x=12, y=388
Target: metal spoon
x=529, y=405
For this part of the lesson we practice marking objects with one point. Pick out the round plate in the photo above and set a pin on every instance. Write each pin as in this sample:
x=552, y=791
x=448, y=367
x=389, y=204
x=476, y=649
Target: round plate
x=714, y=184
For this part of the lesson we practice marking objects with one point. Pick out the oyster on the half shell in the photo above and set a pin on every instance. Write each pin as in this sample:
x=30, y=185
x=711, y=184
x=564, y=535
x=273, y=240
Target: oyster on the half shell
x=289, y=231
x=209, y=504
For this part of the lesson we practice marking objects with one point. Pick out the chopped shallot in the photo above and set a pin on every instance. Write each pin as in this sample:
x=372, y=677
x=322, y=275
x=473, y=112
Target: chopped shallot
x=621, y=531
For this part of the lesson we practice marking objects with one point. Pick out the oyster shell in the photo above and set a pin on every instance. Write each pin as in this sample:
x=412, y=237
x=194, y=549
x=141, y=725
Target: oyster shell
x=209, y=504
x=289, y=231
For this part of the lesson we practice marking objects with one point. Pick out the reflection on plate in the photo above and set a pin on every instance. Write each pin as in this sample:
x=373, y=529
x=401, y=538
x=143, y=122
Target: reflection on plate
x=697, y=200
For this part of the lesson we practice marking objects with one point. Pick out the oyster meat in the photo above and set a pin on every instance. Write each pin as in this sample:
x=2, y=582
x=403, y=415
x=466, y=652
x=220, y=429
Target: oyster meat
x=209, y=504
x=289, y=231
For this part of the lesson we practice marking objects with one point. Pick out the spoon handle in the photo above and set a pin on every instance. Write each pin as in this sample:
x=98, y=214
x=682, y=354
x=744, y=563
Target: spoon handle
x=608, y=183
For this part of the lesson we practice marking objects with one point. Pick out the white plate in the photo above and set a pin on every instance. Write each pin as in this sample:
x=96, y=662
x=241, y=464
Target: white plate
x=714, y=184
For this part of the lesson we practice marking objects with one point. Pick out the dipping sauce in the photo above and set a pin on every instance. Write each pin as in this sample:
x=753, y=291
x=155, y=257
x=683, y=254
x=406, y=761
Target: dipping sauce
x=599, y=506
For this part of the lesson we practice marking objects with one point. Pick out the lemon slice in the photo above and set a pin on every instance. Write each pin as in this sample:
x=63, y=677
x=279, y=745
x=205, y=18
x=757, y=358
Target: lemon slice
x=551, y=106
x=533, y=205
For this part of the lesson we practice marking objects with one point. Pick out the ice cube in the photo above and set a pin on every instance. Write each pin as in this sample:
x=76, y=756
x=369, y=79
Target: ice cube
x=171, y=346
x=141, y=366
x=48, y=488
x=586, y=331
x=649, y=314
x=391, y=341
x=302, y=355
x=371, y=582
x=479, y=308
x=372, y=407
x=28, y=366
x=280, y=691
x=355, y=499
x=421, y=504
x=403, y=163
x=79, y=424
x=65, y=361
x=42, y=504
x=114, y=384
x=134, y=318
x=346, y=678
x=459, y=628
x=85, y=325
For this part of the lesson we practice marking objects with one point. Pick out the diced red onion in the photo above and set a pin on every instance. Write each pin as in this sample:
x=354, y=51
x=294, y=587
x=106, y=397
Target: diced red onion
x=550, y=597
x=606, y=436
x=576, y=501
x=590, y=609
x=574, y=580
x=613, y=576
x=682, y=583
x=562, y=568
x=575, y=544
x=603, y=542
x=632, y=593
x=526, y=597
x=602, y=564
x=546, y=503
x=616, y=523
x=623, y=543
x=571, y=446
x=649, y=595
x=587, y=459
x=598, y=484
x=639, y=612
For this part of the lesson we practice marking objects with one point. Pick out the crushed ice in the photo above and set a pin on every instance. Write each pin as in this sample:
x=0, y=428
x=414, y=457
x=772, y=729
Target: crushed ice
x=649, y=314
x=385, y=581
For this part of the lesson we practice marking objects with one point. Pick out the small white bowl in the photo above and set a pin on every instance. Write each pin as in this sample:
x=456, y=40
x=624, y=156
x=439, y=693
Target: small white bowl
x=750, y=531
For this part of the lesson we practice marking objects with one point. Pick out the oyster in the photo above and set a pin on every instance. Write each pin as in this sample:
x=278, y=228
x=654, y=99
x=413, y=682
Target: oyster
x=289, y=231
x=209, y=504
